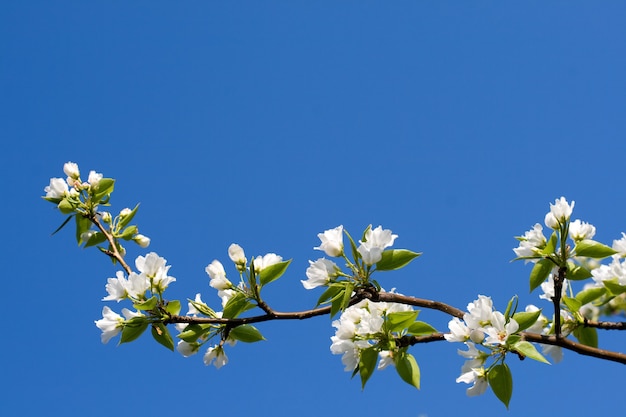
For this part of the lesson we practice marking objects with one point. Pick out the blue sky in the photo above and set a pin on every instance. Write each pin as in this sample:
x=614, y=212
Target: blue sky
x=454, y=124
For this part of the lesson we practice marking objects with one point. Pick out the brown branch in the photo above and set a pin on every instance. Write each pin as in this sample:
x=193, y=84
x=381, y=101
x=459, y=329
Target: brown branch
x=605, y=325
x=390, y=297
x=113, y=253
x=575, y=347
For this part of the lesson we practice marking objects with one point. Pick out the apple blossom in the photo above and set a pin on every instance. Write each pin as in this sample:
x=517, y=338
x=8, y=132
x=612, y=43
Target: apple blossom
x=237, y=255
x=376, y=240
x=71, y=170
x=141, y=240
x=262, y=262
x=477, y=377
x=319, y=273
x=559, y=213
x=57, y=189
x=579, y=230
x=218, y=276
x=112, y=323
x=332, y=241
x=500, y=330
x=94, y=178
x=117, y=288
x=216, y=356
x=531, y=243
x=620, y=245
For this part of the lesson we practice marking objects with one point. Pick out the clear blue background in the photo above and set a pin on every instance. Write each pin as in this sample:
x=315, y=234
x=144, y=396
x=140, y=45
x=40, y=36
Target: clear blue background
x=264, y=123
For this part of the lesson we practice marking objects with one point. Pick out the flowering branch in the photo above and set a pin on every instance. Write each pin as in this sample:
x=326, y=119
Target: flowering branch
x=374, y=328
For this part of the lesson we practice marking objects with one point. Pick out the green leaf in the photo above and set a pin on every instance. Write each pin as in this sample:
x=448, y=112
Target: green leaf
x=149, y=304
x=592, y=249
x=66, y=221
x=509, y=306
x=162, y=335
x=273, y=272
x=540, y=272
x=193, y=332
x=202, y=308
x=236, y=305
x=330, y=293
x=83, y=224
x=133, y=328
x=572, y=303
x=501, y=382
x=367, y=364
x=577, y=272
x=95, y=239
x=128, y=233
x=65, y=206
x=128, y=218
x=246, y=333
x=173, y=307
x=101, y=189
x=395, y=259
x=355, y=252
x=526, y=319
x=400, y=320
x=586, y=335
x=407, y=368
x=590, y=294
x=550, y=245
x=614, y=287
x=528, y=349
x=421, y=328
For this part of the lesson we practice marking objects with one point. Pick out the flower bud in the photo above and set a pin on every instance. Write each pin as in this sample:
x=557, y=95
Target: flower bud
x=142, y=240
x=71, y=170
x=237, y=255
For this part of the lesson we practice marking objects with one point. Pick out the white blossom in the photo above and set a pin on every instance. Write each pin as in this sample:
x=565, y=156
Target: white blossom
x=94, y=178
x=332, y=241
x=620, y=245
x=531, y=243
x=215, y=355
x=499, y=331
x=218, y=276
x=262, y=262
x=57, y=189
x=579, y=230
x=112, y=323
x=237, y=255
x=155, y=269
x=319, y=273
x=187, y=349
x=141, y=240
x=71, y=170
x=548, y=287
x=477, y=377
x=559, y=213
x=376, y=240
x=117, y=288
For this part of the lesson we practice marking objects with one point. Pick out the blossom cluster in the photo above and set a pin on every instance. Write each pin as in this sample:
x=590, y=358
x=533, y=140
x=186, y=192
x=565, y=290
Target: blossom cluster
x=72, y=184
x=361, y=326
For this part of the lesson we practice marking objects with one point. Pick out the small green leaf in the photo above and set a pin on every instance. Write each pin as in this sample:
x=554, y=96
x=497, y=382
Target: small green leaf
x=65, y=206
x=507, y=312
x=133, y=328
x=246, y=333
x=95, y=239
x=66, y=221
x=614, y=287
x=528, y=349
x=367, y=364
x=526, y=319
x=236, y=305
x=273, y=272
x=202, y=308
x=550, y=245
x=355, y=253
x=407, y=368
x=572, y=303
x=421, y=328
x=540, y=272
x=83, y=224
x=329, y=294
x=146, y=305
x=577, y=272
x=162, y=335
x=128, y=218
x=173, y=307
x=400, y=320
x=592, y=249
x=395, y=259
x=590, y=294
x=128, y=233
x=193, y=332
x=501, y=382
x=101, y=189
x=586, y=335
